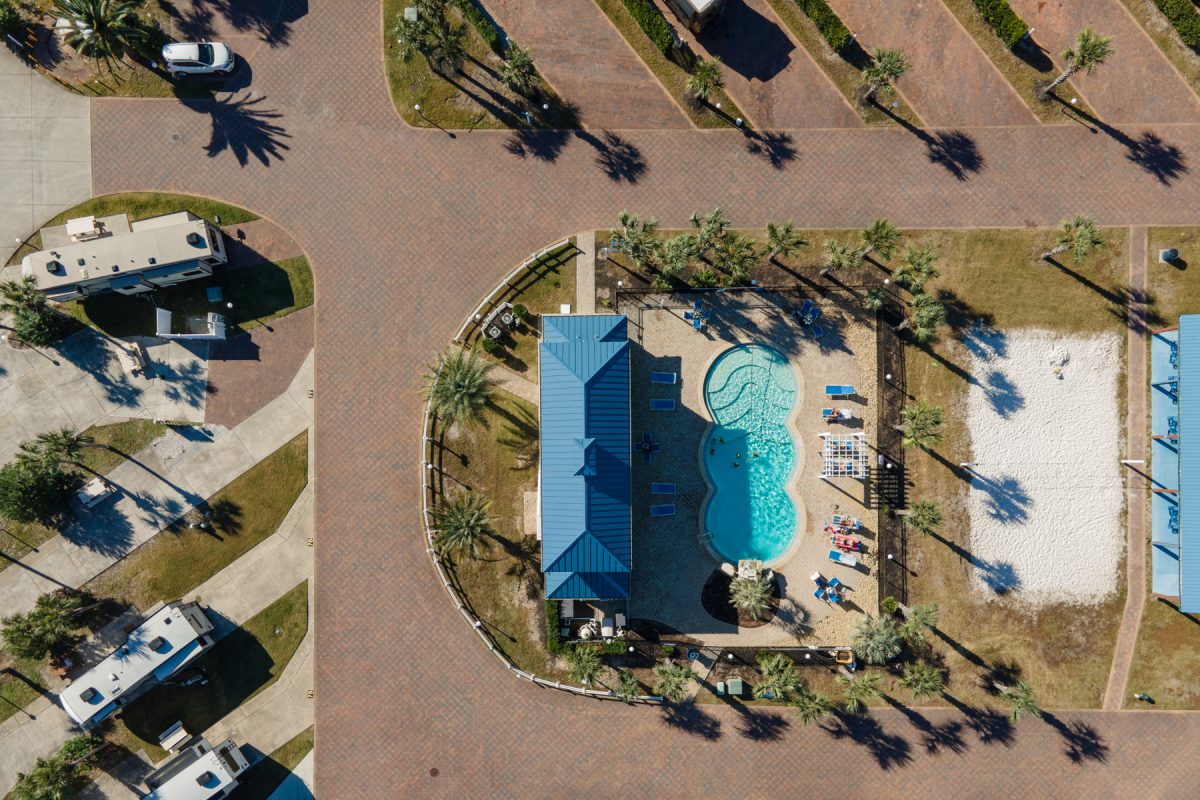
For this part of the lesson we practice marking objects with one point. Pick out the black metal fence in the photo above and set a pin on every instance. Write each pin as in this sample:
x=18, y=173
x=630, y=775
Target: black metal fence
x=888, y=479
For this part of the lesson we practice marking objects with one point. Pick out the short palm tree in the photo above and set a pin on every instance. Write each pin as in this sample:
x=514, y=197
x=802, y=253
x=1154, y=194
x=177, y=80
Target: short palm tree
x=886, y=67
x=751, y=595
x=442, y=44
x=926, y=316
x=628, y=689
x=917, y=269
x=710, y=228
x=46, y=628
x=676, y=254
x=779, y=678
x=1021, y=697
x=517, y=70
x=875, y=639
x=736, y=255
x=459, y=386
x=920, y=619
x=811, y=706
x=462, y=524
x=33, y=319
x=839, y=256
x=640, y=241
x=880, y=237
x=782, y=239
x=585, y=664
x=923, y=516
x=671, y=681
x=857, y=690
x=874, y=299
x=1089, y=52
x=1079, y=235
x=922, y=679
x=65, y=445
x=103, y=29
x=50, y=779
x=921, y=423
x=706, y=79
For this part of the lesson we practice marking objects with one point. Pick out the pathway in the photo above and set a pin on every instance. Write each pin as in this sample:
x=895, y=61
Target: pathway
x=570, y=40
x=298, y=785
x=585, y=273
x=516, y=384
x=1137, y=85
x=951, y=83
x=1136, y=346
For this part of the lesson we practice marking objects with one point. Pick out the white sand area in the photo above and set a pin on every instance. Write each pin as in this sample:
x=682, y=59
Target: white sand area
x=1046, y=493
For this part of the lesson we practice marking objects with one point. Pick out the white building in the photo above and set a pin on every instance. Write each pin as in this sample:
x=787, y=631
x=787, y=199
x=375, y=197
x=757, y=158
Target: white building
x=111, y=255
x=175, y=635
x=695, y=14
x=198, y=772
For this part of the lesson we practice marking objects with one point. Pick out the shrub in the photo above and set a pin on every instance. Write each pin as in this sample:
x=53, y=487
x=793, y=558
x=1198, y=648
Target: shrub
x=1005, y=22
x=520, y=311
x=703, y=278
x=614, y=647
x=888, y=605
x=668, y=650
x=554, y=642
x=827, y=22
x=1182, y=14
x=651, y=20
x=490, y=345
x=10, y=20
x=33, y=491
x=482, y=25
x=38, y=328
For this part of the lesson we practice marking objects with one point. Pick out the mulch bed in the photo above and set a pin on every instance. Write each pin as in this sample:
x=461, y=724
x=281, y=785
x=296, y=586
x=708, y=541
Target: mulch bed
x=715, y=599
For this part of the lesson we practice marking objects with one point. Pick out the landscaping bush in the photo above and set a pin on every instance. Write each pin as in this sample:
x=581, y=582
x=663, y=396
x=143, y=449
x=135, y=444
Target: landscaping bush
x=490, y=345
x=1005, y=22
x=614, y=647
x=827, y=22
x=889, y=605
x=33, y=492
x=651, y=20
x=520, y=311
x=554, y=643
x=10, y=20
x=482, y=25
x=1182, y=14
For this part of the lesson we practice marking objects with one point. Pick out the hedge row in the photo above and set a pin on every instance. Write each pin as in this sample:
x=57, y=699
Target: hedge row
x=10, y=20
x=480, y=22
x=827, y=22
x=554, y=643
x=1004, y=21
x=1183, y=16
x=651, y=20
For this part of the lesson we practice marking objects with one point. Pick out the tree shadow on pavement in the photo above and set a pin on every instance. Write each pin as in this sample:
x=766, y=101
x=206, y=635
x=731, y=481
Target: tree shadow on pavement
x=935, y=738
x=778, y=148
x=761, y=726
x=954, y=150
x=1164, y=161
x=241, y=126
x=537, y=143
x=888, y=750
x=691, y=718
x=988, y=725
x=1081, y=741
x=618, y=158
x=269, y=20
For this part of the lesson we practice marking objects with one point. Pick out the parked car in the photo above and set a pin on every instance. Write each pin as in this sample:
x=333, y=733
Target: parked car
x=197, y=58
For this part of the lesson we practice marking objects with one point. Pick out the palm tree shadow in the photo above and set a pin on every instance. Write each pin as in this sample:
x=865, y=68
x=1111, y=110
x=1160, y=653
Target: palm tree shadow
x=953, y=150
x=538, y=143
x=691, y=718
x=1164, y=161
x=618, y=158
x=761, y=726
x=1081, y=741
x=778, y=148
x=887, y=749
x=242, y=127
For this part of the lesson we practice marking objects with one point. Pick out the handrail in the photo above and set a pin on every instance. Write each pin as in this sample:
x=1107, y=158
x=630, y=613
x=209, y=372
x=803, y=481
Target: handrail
x=477, y=315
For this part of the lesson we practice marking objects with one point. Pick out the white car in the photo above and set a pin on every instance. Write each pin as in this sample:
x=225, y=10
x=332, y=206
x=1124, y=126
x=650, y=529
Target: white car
x=197, y=58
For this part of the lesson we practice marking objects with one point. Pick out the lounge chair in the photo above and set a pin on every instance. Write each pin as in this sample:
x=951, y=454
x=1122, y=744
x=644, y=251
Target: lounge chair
x=839, y=390
x=662, y=488
x=728, y=569
x=670, y=378
x=834, y=583
x=697, y=324
x=819, y=593
x=839, y=557
x=720, y=688
x=699, y=304
x=827, y=413
x=662, y=510
x=1172, y=426
x=662, y=404
x=620, y=618
x=568, y=609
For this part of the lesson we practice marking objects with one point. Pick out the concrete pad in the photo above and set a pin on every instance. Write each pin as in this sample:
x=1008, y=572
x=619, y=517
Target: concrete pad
x=209, y=470
x=297, y=785
x=16, y=138
x=16, y=222
x=21, y=587
x=15, y=96
x=37, y=737
x=61, y=565
x=80, y=404
x=62, y=182
x=62, y=139
x=13, y=364
x=48, y=99
x=18, y=185
x=272, y=427
x=31, y=384
x=41, y=412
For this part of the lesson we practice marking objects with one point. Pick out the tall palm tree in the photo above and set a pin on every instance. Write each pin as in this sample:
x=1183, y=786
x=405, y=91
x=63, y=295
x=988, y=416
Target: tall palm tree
x=676, y=254
x=880, y=237
x=751, y=595
x=441, y=43
x=920, y=619
x=779, y=678
x=22, y=295
x=585, y=664
x=671, y=681
x=628, y=689
x=922, y=679
x=517, y=70
x=1089, y=52
x=875, y=639
x=886, y=67
x=462, y=523
x=926, y=317
x=736, y=255
x=839, y=256
x=50, y=779
x=1022, y=699
x=46, y=628
x=33, y=319
x=710, y=228
x=782, y=239
x=1079, y=235
x=917, y=269
x=103, y=29
x=857, y=690
x=924, y=516
x=640, y=241
x=811, y=706
x=706, y=79
x=921, y=423
x=459, y=386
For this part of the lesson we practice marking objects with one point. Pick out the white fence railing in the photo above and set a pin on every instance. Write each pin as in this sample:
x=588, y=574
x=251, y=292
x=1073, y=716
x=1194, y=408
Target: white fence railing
x=476, y=316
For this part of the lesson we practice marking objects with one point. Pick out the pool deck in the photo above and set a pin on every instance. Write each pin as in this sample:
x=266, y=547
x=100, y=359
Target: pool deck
x=671, y=564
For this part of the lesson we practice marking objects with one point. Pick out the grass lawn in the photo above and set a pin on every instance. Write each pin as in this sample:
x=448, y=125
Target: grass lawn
x=126, y=437
x=264, y=777
x=244, y=513
x=138, y=205
x=259, y=294
x=1159, y=28
x=670, y=74
x=1022, y=73
x=1167, y=657
x=543, y=288
x=245, y=662
x=1174, y=288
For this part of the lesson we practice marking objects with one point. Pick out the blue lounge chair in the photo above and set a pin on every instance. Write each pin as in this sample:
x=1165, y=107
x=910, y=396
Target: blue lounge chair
x=697, y=324
x=670, y=378
x=839, y=390
x=662, y=404
x=1174, y=354
x=699, y=304
x=662, y=510
x=807, y=308
x=662, y=488
x=817, y=331
x=826, y=413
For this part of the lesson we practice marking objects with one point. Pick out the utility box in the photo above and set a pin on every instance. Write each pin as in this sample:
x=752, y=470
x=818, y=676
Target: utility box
x=1168, y=256
x=695, y=14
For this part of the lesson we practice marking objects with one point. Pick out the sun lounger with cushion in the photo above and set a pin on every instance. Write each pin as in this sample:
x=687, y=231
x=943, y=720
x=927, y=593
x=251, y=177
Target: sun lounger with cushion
x=664, y=377
x=839, y=390
x=843, y=558
x=834, y=583
x=662, y=510
x=697, y=324
x=662, y=488
x=662, y=404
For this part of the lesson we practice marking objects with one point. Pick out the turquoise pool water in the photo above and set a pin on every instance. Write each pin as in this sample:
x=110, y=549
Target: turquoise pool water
x=750, y=454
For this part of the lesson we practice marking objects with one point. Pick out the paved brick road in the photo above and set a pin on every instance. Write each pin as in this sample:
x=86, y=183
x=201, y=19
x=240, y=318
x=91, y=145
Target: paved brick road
x=405, y=229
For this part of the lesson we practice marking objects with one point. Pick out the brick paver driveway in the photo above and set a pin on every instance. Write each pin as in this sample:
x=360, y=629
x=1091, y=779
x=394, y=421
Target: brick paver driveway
x=405, y=229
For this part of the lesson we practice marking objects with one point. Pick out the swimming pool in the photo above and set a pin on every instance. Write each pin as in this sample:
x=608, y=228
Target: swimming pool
x=750, y=455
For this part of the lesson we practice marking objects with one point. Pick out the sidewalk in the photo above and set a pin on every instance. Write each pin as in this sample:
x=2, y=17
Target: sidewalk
x=159, y=485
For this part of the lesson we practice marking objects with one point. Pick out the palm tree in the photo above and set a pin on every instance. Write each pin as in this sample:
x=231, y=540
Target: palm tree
x=779, y=678
x=875, y=639
x=1089, y=52
x=431, y=34
x=54, y=448
x=886, y=67
x=926, y=316
x=917, y=269
x=50, y=779
x=839, y=256
x=462, y=523
x=459, y=386
x=1020, y=696
x=1079, y=235
x=640, y=241
x=103, y=29
x=920, y=619
x=710, y=229
x=704, y=278
x=585, y=664
x=921, y=424
x=811, y=706
x=628, y=689
x=34, y=320
x=671, y=681
x=924, y=516
x=676, y=254
x=517, y=70
x=922, y=679
x=880, y=237
x=705, y=80
x=751, y=595
x=858, y=690
x=874, y=299
x=46, y=628
x=736, y=255
x=782, y=239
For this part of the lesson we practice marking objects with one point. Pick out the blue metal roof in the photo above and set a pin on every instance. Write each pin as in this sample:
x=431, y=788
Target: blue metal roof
x=1189, y=464
x=587, y=549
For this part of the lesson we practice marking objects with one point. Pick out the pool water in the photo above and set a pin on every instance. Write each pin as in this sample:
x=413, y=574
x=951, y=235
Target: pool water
x=750, y=455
